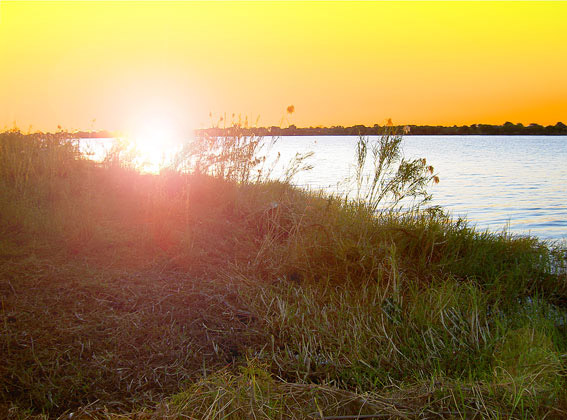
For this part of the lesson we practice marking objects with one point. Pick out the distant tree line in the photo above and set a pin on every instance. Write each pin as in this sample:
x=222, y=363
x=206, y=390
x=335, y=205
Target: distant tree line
x=506, y=129
x=102, y=134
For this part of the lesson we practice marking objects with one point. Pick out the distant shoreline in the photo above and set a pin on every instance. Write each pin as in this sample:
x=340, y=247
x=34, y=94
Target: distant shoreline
x=507, y=129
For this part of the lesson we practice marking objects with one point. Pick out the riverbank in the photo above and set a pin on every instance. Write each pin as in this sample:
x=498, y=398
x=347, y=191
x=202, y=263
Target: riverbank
x=183, y=294
x=506, y=129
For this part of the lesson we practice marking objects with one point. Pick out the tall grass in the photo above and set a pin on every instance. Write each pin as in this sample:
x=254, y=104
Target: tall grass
x=236, y=157
x=210, y=291
x=392, y=179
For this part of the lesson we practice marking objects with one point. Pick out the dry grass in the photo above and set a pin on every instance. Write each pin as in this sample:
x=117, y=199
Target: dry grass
x=185, y=295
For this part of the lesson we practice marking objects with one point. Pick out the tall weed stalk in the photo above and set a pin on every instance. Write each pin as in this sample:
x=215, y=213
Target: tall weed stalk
x=231, y=155
x=385, y=179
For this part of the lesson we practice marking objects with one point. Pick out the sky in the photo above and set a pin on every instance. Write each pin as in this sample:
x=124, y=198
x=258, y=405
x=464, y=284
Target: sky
x=129, y=65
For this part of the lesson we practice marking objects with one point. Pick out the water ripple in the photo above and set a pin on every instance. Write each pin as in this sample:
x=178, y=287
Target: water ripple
x=513, y=182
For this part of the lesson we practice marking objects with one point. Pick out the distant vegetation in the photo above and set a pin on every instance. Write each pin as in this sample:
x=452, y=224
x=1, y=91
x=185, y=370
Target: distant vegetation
x=210, y=291
x=104, y=134
x=506, y=129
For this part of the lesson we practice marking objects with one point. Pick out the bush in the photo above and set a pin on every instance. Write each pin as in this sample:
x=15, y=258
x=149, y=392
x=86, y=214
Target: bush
x=393, y=181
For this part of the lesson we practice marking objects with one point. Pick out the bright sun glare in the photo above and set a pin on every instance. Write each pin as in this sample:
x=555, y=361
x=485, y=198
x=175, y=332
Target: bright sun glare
x=154, y=142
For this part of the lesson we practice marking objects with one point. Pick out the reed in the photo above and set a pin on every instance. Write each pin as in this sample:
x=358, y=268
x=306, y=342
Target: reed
x=209, y=292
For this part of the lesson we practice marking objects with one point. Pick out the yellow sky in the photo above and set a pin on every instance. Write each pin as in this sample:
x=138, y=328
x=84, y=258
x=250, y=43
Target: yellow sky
x=126, y=63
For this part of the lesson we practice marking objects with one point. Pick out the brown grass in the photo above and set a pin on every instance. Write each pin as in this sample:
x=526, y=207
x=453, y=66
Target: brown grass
x=183, y=295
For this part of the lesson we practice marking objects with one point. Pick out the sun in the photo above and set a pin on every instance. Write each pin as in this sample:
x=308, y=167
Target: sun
x=154, y=142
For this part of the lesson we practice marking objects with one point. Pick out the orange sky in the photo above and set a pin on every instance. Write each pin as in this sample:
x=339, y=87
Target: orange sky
x=125, y=64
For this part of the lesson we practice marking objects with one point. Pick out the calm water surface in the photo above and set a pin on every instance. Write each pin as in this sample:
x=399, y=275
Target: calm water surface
x=517, y=182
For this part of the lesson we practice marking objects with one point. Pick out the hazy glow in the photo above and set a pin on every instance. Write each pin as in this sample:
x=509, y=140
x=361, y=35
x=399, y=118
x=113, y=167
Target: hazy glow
x=91, y=65
x=154, y=135
x=154, y=142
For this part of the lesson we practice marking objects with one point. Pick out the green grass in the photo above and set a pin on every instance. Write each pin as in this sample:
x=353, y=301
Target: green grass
x=188, y=295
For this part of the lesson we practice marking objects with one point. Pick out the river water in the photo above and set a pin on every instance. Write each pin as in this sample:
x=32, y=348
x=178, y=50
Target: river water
x=496, y=182
x=518, y=183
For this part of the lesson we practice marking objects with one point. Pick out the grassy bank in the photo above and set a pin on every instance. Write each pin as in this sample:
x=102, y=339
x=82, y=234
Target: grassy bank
x=187, y=295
